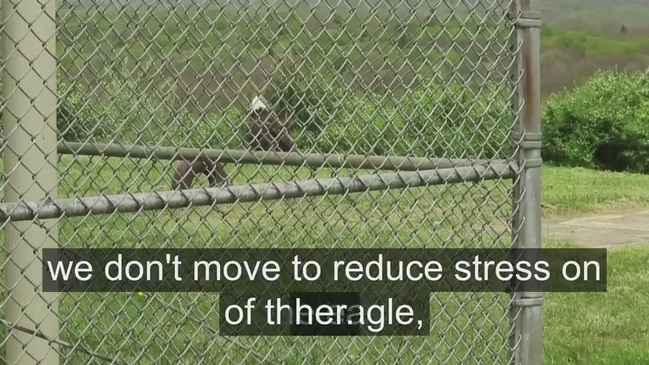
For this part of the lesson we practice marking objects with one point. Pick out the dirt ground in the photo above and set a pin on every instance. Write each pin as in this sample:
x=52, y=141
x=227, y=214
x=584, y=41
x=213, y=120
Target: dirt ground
x=601, y=231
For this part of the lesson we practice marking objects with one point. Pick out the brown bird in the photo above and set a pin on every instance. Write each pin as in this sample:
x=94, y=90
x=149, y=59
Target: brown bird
x=266, y=132
x=187, y=171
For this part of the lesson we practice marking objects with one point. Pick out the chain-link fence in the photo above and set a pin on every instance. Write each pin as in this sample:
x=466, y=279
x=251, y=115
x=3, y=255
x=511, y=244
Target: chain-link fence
x=303, y=124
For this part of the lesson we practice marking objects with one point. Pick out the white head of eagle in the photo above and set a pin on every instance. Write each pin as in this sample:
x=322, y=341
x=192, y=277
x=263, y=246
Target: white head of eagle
x=266, y=132
x=259, y=104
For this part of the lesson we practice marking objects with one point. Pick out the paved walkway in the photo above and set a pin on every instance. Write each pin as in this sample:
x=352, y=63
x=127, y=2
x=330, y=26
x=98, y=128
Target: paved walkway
x=601, y=231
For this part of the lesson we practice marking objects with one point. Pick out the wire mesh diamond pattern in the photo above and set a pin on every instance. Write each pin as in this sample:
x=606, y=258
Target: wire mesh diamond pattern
x=409, y=78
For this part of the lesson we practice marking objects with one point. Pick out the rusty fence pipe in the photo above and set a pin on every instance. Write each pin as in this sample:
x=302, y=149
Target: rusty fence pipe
x=526, y=311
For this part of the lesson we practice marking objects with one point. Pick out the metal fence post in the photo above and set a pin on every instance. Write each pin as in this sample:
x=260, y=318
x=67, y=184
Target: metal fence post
x=527, y=306
x=30, y=166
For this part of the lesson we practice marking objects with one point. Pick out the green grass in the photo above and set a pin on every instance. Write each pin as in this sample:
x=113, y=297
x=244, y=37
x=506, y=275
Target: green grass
x=602, y=329
x=222, y=55
x=591, y=43
x=165, y=328
x=594, y=12
x=222, y=38
x=577, y=191
x=407, y=218
x=229, y=36
x=229, y=46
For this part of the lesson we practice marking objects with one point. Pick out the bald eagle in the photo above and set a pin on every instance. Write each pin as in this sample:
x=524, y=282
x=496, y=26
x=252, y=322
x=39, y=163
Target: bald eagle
x=265, y=133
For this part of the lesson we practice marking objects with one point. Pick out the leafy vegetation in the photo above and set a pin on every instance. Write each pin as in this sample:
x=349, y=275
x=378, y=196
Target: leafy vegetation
x=603, y=124
x=590, y=43
x=74, y=121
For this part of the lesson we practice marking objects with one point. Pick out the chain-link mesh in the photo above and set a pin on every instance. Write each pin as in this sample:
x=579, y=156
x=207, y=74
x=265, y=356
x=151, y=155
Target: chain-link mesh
x=420, y=79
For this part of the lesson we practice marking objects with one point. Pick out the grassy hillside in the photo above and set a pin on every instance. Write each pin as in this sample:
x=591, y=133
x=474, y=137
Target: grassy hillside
x=595, y=12
x=214, y=56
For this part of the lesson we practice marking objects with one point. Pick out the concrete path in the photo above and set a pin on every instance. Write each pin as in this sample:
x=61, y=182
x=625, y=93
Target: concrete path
x=601, y=231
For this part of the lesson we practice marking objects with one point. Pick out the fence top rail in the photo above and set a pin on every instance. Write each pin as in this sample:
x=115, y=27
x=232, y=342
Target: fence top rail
x=136, y=202
x=270, y=158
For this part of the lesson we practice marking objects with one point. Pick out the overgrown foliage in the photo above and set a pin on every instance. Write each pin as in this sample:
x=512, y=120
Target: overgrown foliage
x=603, y=124
x=295, y=99
x=452, y=121
x=435, y=121
x=75, y=121
x=126, y=113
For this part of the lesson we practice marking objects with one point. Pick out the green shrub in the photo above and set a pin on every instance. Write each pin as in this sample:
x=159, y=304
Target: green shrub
x=451, y=121
x=294, y=104
x=296, y=99
x=75, y=119
x=603, y=124
x=146, y=118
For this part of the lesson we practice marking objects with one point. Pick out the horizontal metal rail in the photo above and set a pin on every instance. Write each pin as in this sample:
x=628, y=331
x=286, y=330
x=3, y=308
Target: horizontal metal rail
x=135, y=202
x=269, y=158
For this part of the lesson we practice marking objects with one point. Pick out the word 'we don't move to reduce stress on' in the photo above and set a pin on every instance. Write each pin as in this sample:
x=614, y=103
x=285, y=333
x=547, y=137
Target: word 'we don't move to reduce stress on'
x=324, y=291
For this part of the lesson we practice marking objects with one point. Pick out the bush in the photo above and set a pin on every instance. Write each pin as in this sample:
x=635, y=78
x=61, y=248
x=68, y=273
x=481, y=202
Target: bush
x=603, y=124
x=295, y=105
x=449, y=121
x=75, y=120
x=302, y=104
x=145, y=118
x=452, y=121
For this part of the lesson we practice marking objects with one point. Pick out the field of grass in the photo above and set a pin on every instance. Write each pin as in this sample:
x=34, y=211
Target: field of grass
x=595, y=13
x=216, y=56
x=410, y=218
x=158, y=327
x=602, y=328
